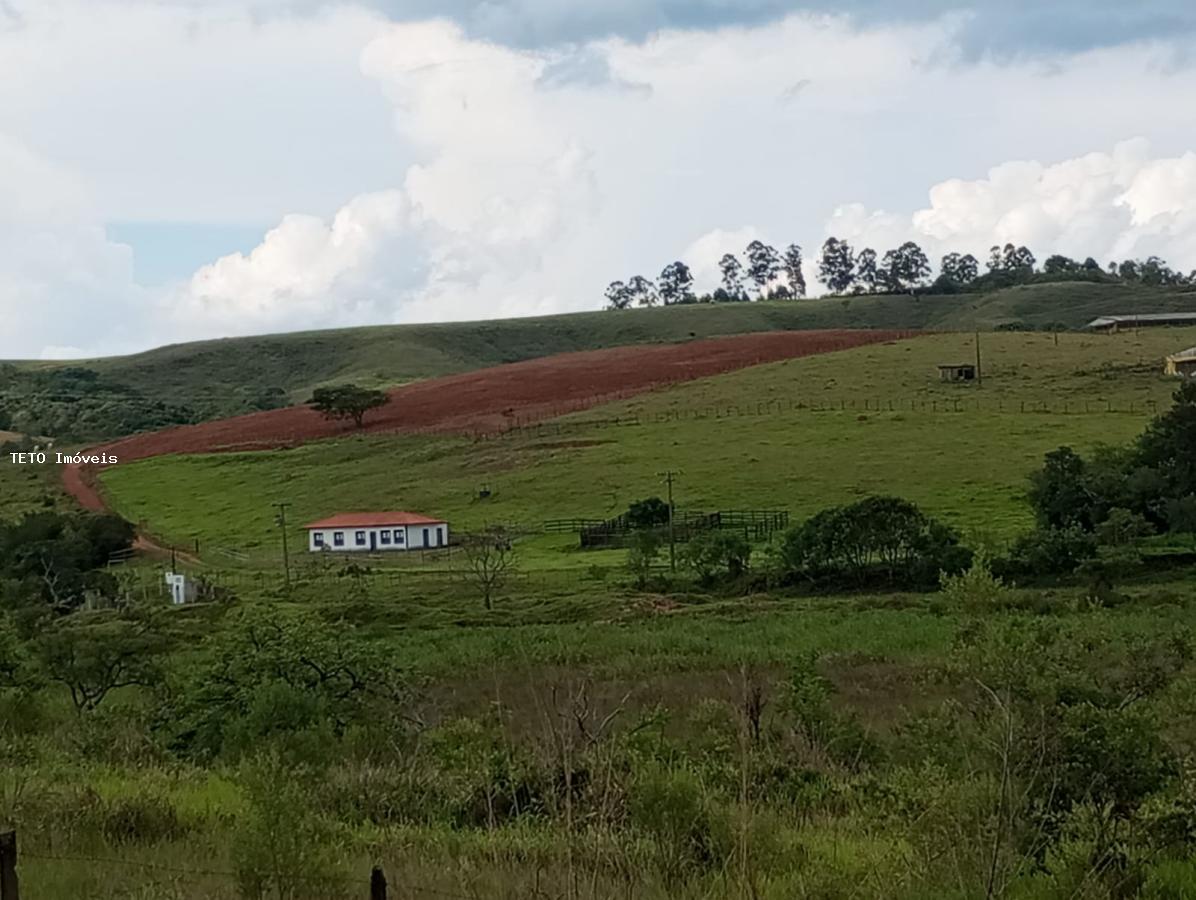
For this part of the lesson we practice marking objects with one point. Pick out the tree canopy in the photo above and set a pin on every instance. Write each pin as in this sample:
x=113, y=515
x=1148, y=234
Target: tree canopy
x=346, y=401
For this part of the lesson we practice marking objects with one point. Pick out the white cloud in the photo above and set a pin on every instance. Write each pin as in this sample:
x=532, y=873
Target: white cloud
x=702, y=255
x=52, y=352
x=291, y=275
x=503, y=181
x=59, y=274
x=209, y=113
x=1124, y=203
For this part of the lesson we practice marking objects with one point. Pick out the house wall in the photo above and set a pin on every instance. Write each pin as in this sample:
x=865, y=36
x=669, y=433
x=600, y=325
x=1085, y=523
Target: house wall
x=437, y=536
x=378, y=539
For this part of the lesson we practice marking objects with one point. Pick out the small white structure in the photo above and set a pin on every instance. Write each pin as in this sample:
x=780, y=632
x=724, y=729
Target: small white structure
x=182, y=589
x=372, y=532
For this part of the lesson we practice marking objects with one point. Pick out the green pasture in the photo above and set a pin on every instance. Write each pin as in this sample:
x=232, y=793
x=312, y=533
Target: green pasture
x=26, y=488
x=213, y=373
x=841, y=441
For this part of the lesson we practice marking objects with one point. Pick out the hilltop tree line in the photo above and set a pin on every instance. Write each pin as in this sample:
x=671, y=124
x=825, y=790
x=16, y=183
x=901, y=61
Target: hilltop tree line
x=764, y=273
x=761, y=269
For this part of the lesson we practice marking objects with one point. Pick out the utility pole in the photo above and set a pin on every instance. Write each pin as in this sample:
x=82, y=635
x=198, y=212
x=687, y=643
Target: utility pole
x=669, y=477
x=286, y=556
x=979, y=372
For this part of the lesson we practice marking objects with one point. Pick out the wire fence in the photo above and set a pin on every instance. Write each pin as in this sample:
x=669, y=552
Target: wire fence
x=792, y=405
x=544, y=419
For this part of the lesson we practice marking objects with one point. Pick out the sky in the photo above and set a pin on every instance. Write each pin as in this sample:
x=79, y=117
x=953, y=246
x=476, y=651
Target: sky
x=173, y=170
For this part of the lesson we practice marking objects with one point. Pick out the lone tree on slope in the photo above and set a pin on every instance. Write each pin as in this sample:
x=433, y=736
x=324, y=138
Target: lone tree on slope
x=346, y=401
x=489, y=561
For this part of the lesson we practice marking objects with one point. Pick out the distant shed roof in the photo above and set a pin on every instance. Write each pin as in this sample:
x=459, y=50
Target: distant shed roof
x=1144, y=319
x=373, y=520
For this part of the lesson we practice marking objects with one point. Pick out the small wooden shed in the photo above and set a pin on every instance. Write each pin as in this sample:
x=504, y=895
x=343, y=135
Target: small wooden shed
x=965, y=372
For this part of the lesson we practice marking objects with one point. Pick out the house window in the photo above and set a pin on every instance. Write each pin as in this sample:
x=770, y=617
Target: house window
x=360, y=538
x=400, y=537
x=338, y=538
x=385, y=535
x=317, y=539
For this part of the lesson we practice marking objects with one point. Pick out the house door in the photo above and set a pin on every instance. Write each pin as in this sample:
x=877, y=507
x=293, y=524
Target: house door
x=373, y=541
x=439, y=538
x=427, y=540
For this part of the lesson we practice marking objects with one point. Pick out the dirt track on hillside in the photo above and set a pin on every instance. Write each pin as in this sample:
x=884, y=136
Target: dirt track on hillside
x=486, y=400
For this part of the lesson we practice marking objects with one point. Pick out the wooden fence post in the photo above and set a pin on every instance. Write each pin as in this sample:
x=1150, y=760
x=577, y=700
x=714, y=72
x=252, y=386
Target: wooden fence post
x=9, y=890
x=377, y=884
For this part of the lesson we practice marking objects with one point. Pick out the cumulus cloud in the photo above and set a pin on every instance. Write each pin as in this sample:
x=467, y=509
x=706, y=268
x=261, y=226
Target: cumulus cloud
x=53, y=251
x=703, y=254
x=521, y=179
x=299, y=265
x=211, y=112
x=530, y=191
x=1113, y=205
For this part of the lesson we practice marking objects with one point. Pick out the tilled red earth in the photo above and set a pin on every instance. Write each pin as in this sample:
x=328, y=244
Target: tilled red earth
x=487, y=400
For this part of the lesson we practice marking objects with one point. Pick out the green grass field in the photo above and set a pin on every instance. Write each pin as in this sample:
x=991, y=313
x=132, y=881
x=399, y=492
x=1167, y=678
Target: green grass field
x=109, y=809
x=27, y=488
x=968, y=466
x=395, y=354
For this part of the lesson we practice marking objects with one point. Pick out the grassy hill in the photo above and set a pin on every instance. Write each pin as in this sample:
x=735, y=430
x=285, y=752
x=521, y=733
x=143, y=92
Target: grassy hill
x=217, y=376
x=875, y=751
x=875, y=420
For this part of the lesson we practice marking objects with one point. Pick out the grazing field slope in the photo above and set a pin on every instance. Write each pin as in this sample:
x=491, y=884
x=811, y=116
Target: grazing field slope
x=219, y=374
x=799, y=435
x=494, y=399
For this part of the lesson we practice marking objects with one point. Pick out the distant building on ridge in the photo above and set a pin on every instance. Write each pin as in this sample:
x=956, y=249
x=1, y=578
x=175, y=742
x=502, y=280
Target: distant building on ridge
x=1114, y=324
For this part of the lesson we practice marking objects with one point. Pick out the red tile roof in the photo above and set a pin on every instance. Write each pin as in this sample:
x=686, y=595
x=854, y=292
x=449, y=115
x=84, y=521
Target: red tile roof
x=373, y=520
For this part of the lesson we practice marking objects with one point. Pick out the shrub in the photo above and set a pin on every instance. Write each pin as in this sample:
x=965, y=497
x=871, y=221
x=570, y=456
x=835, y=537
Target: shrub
x=281, y=848
x=1059, y=492
x=838, y=736
x=1110, y=756
x=670, y=806
x=642, y=555
x=287, y=678
x=650, y=513
x=883, y=537
x=976, y=588
x=1047, y=551
x=139, y=818
x=1122, y=528
x=710, y=554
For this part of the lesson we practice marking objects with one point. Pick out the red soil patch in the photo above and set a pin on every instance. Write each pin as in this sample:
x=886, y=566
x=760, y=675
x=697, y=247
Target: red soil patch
x=488, y=400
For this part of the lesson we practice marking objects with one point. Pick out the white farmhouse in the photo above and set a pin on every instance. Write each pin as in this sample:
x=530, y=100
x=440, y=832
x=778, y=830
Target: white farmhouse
x=376, y=531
